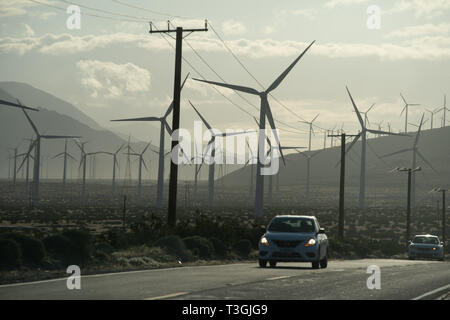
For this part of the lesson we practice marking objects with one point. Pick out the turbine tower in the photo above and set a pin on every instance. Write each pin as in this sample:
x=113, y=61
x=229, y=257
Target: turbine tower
x=444, y=109
x=405, y=108
x=164, y=124
x=414, y=152
x=37, y=155
x=263, y=113
x=308, y=157
x=212, y=145
x=141, y=162
x=362, y=135
x=65, y=155
x=311, y=129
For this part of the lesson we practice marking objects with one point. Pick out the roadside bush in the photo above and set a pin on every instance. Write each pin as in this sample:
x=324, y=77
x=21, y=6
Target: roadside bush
x=117, y=238
x=175, y=246
x=10, y=254
x=32, y=249
x=243, y=247
x=105, y=247
x=58, y=245
x=202, y=246
x=71, y=246
x=220, y=248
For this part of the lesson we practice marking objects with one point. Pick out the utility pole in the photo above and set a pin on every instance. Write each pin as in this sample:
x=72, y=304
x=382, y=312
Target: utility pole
x=408, y=205
x=172, y=209
x=342, y=184
x=443, y=191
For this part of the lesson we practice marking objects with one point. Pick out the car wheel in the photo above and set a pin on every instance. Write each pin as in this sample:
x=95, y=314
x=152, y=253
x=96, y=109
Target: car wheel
x=315, y=265
x=273, y=264
x=262, y=263
x=324, y=262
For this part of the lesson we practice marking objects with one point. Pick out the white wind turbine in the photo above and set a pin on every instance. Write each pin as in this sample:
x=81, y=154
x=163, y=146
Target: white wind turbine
x=163, y=124
x=141, y=162
x=212, y=145
x=415, y=153
x=263, y=113
x=308, y=157
x=311, y=129
x=444, y=109
x=37, y=148
x=362, y=135
x=65, y=155
x=405, y=108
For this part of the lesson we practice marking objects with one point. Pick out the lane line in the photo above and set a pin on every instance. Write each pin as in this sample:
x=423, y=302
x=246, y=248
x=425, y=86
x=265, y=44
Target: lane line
x=432, y=292
x=172, y=295
x=118, y=273
x=277, y=278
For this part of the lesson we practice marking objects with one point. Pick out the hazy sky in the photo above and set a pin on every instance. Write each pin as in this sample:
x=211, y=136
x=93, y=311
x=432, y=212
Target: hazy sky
x=113, y=68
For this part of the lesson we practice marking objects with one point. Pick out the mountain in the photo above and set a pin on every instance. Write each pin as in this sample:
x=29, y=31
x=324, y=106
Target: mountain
x=29, y=95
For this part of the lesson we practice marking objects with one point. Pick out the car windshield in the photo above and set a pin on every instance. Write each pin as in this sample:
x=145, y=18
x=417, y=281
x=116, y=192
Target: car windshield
x=292, y=225
x=426, y=240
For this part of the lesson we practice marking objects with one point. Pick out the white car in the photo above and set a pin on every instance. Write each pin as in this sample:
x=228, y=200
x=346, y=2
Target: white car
x=426, y=246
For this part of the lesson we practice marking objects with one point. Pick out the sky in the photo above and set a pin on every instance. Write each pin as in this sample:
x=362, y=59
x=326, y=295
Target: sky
x=113, y=68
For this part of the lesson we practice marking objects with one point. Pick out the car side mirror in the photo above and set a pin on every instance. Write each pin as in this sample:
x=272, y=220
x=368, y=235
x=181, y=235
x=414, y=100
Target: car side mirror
x=321, y=230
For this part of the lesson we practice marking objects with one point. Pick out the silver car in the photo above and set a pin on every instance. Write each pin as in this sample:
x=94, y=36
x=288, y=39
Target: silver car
x=290, y=238
x=426, y=246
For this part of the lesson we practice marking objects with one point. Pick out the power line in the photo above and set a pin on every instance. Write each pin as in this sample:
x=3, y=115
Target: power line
x=148, y=10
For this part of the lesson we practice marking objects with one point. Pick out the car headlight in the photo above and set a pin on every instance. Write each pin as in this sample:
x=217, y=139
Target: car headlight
x=264, y=241
x=311, y=242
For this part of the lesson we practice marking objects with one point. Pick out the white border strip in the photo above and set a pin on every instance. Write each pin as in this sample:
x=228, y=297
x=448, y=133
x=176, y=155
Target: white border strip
x=432, y=292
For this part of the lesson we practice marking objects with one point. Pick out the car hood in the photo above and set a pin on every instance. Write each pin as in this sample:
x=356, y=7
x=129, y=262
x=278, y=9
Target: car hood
x=289, y=235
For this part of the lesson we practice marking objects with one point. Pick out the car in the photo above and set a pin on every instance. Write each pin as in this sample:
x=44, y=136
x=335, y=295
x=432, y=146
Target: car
x=426, y=246
x=293, y=238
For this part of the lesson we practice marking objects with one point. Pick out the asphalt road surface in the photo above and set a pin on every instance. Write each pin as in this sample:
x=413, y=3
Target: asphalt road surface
x=400, y=279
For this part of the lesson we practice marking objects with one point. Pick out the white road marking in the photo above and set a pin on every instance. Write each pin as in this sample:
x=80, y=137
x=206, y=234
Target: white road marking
x=432, y=292
x=118, y=273
x=277, y=278
x=172, y=295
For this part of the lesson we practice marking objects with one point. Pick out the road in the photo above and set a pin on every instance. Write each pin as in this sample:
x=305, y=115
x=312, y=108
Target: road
x=400, y=279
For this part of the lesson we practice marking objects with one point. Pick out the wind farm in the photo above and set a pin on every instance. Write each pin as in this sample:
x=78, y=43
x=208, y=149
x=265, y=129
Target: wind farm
x=166, y=141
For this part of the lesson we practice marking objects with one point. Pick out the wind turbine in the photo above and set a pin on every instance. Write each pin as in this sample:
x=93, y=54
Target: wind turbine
x=445, y=109
x=65, y=154
x=263, y=113
x=26, y=158
x=251, y=160
x=362, y=135
x=432, y=113
x=163, y=124
x=311, y=129
x=405, y=108
x=308, y=170
x=212, y=145
x=141, y=162
x=415, y=152
x=37, y=155
x=115, y=164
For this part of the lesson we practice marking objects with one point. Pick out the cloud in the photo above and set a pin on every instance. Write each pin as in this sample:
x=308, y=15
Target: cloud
x=28, y=31
x=231, y=27
x=421, y=8
x=334, y=3
x=424, y=48
x=307, y=13
x=112, y=80
x=14, y=8
x=421, y=30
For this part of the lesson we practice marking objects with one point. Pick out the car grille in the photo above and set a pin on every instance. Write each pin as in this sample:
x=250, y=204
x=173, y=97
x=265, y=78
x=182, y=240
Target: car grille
x=424, y=249
x=287, y=243
x=286, y=255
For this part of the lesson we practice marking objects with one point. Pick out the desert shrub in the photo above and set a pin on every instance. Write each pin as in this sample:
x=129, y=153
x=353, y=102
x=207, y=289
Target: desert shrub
x=58, y=245
x=71, y=246
x=105, y=247
x=203, y=247
x=10, y=254
x=101, y=256
x=175, y=246
x=117, y=238
x=220, y=248
x=32, y=249
x=243, y=247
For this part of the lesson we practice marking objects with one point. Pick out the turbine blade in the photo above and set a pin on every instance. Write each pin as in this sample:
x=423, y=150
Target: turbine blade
x=139, y=119
x=143, y=162
x=168, y=128
x=396, y=152
x=404, y=100
x=58, y=137
x=145, y=149
x=385, y=132
x=31, y=122
x=17, y=105
x=272, y=125
x=403, y=109
x=59, y=154
x=353, y=142
x=120, y=148
x=373, y=104
x=231, y=86
x=356, y=109
x=201, y=117
x=276, y=83
x=426, y=161
x=169, y=110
